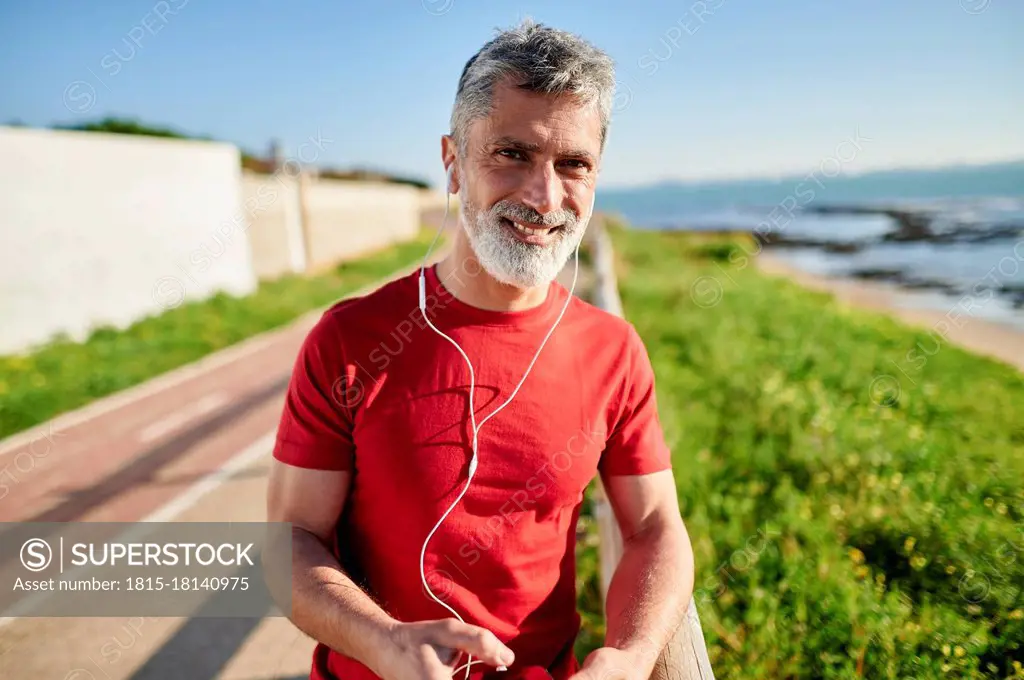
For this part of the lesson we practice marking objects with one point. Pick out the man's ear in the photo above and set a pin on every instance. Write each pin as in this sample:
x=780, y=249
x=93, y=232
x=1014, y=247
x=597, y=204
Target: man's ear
x=449, y=156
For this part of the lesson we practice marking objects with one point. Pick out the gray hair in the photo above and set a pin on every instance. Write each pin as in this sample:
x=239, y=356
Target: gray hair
x=538, y=59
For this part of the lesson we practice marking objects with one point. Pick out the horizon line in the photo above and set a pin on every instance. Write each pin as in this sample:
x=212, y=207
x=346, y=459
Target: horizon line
x=788, y=176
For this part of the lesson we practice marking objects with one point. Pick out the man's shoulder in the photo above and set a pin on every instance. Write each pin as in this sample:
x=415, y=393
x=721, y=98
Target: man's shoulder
x=360, y=314
x=593, y=322
x=391, y=297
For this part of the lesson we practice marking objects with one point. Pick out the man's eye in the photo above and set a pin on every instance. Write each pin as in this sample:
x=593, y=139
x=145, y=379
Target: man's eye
x=512, y=153
x=576, y=164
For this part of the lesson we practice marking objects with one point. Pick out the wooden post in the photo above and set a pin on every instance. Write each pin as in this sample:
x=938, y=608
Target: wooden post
x=686, y=655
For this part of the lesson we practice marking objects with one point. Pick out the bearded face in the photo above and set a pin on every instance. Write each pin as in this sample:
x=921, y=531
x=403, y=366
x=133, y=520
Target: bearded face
x=517, y=245
x=526, y=175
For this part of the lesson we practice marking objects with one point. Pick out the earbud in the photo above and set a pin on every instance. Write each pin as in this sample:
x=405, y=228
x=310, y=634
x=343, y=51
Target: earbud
x=444, y=222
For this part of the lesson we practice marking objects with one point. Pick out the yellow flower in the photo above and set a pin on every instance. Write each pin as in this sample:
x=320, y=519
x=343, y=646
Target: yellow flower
x=989, y=502
x=959, y=651
x=945, y=650
x=1001, y=508
x=861, y=571
x=857, y=556
x=1017, y=614
x=908, y=545
x=950, y=569
x=918, y=561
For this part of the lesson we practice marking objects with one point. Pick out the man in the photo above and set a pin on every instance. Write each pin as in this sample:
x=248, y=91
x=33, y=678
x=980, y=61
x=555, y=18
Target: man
x=376, y=442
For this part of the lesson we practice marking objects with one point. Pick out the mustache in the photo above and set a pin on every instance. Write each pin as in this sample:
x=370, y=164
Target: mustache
x=521, y=213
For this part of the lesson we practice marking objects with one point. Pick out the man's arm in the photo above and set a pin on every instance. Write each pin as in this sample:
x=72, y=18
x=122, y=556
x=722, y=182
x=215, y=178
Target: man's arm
x=326, y=604
x=652, y=584
x=329, y=607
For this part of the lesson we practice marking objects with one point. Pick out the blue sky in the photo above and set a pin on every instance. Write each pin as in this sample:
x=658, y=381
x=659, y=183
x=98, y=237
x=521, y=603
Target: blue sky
x=749, y=89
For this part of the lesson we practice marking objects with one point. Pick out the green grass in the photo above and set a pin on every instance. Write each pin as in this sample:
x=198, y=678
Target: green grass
x=64, y=375
x=848, y=520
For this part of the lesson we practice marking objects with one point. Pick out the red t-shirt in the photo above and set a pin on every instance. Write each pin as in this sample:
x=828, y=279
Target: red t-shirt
x=375, y=391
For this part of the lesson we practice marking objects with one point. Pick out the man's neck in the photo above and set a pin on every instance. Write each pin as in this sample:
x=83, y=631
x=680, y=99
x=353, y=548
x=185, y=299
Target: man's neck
x=464, y=277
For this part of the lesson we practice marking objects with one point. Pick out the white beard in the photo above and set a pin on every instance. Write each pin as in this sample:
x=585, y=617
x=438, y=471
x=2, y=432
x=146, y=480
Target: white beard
x=511, y=261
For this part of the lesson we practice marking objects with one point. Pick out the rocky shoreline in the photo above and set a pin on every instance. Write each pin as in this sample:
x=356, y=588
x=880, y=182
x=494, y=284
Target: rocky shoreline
x=910, y=225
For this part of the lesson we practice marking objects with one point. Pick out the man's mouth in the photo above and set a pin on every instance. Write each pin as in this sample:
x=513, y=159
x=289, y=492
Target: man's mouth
x=531, y=233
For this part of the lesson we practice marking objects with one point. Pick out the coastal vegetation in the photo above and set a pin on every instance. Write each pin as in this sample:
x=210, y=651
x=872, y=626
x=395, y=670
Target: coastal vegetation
x=852, y=488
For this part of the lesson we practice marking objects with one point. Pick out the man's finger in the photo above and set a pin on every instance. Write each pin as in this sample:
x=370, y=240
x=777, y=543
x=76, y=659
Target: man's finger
x=433, y=668
x=479, y=642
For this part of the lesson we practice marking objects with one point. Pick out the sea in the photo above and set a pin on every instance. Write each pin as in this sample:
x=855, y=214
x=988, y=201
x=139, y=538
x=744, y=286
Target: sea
x=942, y=237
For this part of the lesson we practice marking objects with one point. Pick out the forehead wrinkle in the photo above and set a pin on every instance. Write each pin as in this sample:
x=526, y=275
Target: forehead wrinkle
x=551, y=119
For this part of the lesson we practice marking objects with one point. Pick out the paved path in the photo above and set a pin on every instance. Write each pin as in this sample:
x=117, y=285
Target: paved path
x=191, y=446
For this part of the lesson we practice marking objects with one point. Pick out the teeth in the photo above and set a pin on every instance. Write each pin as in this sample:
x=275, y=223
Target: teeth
x=528, y=230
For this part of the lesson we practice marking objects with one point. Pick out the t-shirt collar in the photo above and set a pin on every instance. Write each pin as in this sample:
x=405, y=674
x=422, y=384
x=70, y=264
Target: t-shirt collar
x=445, y=306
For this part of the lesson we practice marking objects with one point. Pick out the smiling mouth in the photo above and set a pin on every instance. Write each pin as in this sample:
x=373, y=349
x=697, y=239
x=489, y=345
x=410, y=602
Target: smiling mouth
x=529, y=231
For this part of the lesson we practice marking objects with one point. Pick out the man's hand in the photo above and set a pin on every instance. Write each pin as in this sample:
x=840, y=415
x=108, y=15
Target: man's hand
x=430, y=650
x=608, y=663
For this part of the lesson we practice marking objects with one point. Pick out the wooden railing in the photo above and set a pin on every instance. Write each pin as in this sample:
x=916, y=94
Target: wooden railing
x=685, y=657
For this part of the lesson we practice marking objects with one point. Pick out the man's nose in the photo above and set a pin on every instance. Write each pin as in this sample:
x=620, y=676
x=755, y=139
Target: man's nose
x=543, y=191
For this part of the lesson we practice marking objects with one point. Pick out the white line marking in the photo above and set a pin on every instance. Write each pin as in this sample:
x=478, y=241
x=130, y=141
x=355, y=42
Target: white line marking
x=212, y=480
x=166, y=513
x=174, y=421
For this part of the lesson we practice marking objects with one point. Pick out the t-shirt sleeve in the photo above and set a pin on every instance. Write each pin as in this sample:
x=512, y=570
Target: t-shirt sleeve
x=636, y=444
x=315, y=430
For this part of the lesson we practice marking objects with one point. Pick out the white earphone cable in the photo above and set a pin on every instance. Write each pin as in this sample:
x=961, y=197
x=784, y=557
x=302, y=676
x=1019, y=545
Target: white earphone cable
x=472, y=413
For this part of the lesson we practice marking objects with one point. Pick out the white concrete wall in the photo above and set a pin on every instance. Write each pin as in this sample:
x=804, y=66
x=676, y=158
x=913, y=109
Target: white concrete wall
x=346, y=219
x=432, y=200
x=104, y=229
x=274, y=211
